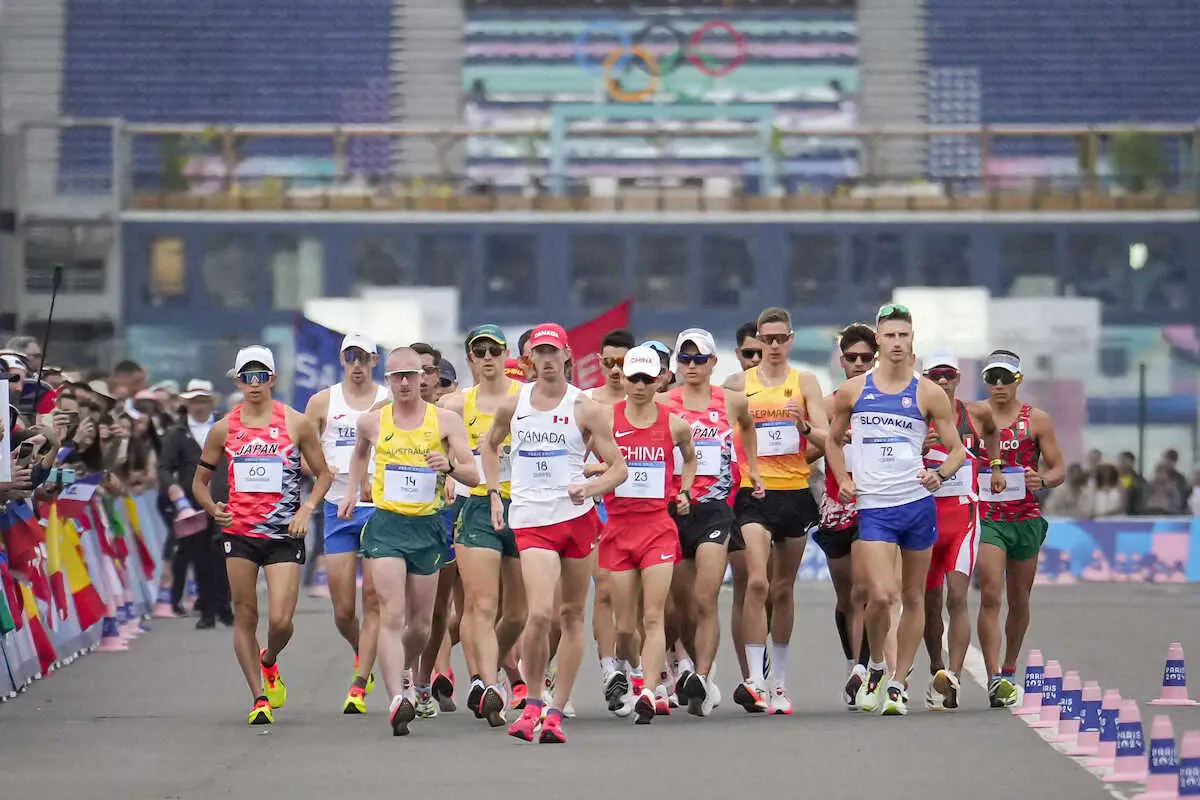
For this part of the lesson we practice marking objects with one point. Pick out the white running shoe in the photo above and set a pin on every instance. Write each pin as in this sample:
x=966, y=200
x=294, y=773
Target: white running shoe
x=778, y=702
x=933, y=699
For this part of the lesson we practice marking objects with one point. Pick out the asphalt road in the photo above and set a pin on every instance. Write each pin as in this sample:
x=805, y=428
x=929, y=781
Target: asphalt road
x=168, y=720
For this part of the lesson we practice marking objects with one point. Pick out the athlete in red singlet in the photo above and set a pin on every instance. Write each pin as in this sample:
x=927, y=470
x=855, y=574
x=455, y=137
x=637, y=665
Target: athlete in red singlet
x=264, y=521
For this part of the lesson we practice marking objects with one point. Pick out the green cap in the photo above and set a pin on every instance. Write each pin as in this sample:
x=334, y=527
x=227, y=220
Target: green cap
x=489, y=331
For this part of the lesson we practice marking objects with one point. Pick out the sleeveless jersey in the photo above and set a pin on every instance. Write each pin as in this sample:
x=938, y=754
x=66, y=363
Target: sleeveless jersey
x=963, y=487
x=1019, y=449
x=479, y=423
x=264, y=476
x=889, y=434
x=547, y=452
x=781, y=461
x=403, y=482
x=650, y=455
x=836, y=515
x=712, y=435
x=339, y=438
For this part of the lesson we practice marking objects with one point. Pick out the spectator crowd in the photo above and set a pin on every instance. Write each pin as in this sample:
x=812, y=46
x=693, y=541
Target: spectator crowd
x=1097, y=489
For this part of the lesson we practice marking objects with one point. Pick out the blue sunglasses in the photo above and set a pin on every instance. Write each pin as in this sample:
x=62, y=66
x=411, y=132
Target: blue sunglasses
x=254, y=377
x=699, y=359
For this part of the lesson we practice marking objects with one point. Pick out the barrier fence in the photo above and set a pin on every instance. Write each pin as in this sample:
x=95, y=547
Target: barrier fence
x=79, y=575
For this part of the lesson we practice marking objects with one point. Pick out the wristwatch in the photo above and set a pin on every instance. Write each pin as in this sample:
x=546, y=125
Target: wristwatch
x=942, y=478
x=495, y=492
x=807, y=429
x=686, y=493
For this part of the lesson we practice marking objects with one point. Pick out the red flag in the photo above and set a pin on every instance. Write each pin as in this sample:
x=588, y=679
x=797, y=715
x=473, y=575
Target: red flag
x=75, y=499
x=139, y=539
x=15, y=602
x=41, y=641
x=23, y=536
x=89, y=608
x=585, y=344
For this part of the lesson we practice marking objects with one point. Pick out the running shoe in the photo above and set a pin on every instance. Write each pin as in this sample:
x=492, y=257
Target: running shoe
x=261, y=713
x=520, y=693
x=644, y=708
x=426, y=707
x=443, y=691
x=355, y=701
x=552, y=732
x=1002, y=693
x=475, y=696
x=933, y=699
x=273, y=686
x=779, y=702
x=370, y=676
x=615, y=689
x=714, y=691
x=492, y=706
x=699, y=703
x=858, y=676
x=896, y=704
x=751, y=697
x=681, y=686
x=662, y=702
x=872, y=692
x=527, y=724
x=548, y=686
x=401, y=714
x=946, y=684
x=568, y=710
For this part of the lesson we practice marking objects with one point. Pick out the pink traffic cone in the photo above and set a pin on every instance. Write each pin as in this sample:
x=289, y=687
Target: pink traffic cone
x=162, y=606
x=1051, y=693
x=129, y=623
x=1130, y=763
x=1069, y=707
x=1088, y=740
x=110, y=638
x=1163, y=781
x=1031, y=704
x=1174, y=685
x=1189, y=765
x=1106, y=749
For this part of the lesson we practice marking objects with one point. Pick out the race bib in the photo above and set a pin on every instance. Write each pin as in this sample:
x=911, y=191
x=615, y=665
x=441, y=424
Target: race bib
x=505, y=465
x=777, y=438
x=647, y=480
x=343, y=453
x=1014, y=488
x=708, y=458
x=887, y=451
x=408, y=484
x=546, y=467
x=258, y=475
x=959, y=484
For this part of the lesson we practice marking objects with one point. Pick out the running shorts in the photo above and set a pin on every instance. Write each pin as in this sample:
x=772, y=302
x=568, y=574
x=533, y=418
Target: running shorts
x=475, y=528
x=638, y=541
x=912, y=526
x=958, y=540
x=264, y=552
x=344, y=535
x=836, y=544
x=574, y=538
x=420, y=541
x=1020, y=540
x=705, y=523
x=785, y=513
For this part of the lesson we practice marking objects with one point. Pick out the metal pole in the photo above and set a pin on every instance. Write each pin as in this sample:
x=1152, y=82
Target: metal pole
x=1141, y=462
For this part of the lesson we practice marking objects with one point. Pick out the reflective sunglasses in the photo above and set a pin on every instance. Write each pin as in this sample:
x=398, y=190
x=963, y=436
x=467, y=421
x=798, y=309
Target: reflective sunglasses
x=402, y=373
x=749, y=353
x=893, y=311
x=774, y=338
x=699, y=359
x=946, y=374
x=642, y=378
x=254, y=377
x=483, y=351
x=861, y=358
x=356, y=355
x=612, y=363
x=997, y=376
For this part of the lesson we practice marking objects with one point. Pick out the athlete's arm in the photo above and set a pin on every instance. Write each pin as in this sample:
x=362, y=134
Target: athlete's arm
x=214, y=444
x=316, y=410
x=367, y=431
x=681, y=432
x=491, y=442
x=937, y=408
x=817, y=451
x=306, y=436
x=814, y=403
x=596, y=419
x=456, y=402
x=737, y=408
x=835, y=458
x=736, y=382
x=461, y=462
x=982, y=414
x=1056, y=472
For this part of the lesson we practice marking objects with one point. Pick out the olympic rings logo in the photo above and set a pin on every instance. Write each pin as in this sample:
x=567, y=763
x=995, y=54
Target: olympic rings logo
x=632, y=49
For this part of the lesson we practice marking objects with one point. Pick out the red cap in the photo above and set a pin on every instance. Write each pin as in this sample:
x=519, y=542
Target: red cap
x=548, y=333
x=512, y=369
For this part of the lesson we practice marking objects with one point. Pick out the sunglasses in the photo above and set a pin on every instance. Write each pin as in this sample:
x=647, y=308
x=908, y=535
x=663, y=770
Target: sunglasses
x=893, y=311
x=612, y=363
x=997, y=376
x=643, y=379
x=941, y=374
x=254, y=377
x=775, y=338
x=493, y=350
x=861, y=358
x=431, y=370
x=749, y=353
x=699, y=359
x=445, y=383
x=402, y=373
x=356, y=356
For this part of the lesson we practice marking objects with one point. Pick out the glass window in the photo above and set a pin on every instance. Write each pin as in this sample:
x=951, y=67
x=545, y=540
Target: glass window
x=381, y=261
x=81, y=249
x=510, y=268
x=662, y=263
x=1027, y=264
x=813, y=267
x=230, y=270
x=1098, y=266
x=596, y=270
x=728, y=264
x=168, y=268
x=445, y=258
x=1158, y=273
x=877, y=266
x=945, y=260
x=297, y=270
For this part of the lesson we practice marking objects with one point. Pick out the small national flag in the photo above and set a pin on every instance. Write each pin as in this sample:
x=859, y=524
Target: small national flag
x=89, y=607
x=139, y=538
x=561, y=420
x=7, y=622
x=58, y=587
x=41, y=641
x=12, y=595
x=22, y=535
x=74, y=500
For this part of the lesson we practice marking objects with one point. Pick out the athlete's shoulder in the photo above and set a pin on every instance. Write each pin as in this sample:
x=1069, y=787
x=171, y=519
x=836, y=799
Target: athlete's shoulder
x=1038, y=418
x=457, y=402
x=736, y=382
x=448, y=417
x=320, y=400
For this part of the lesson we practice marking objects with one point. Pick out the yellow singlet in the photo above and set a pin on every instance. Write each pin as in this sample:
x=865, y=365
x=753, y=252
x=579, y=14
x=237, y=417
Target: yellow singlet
x=479, y=423
x=403, y=483
x=781, y=460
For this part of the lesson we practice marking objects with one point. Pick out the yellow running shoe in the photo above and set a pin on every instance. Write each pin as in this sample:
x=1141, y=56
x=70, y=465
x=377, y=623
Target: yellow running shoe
x=273, y=686
x=355, y=702
x=370, y=676
x=261, y=713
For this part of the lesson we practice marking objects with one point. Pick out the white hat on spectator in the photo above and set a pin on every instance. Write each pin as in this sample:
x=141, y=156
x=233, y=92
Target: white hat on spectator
x=170, y=387
x=101, y=388
x=197, y=388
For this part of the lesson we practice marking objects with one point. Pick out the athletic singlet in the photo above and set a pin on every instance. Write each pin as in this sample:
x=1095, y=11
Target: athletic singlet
x=712, y=435
x=264, y=476
x=889, y=434
x=479, y=423
x=963, y=486
x=650, y=456
x=339, y=437
x=1019, y=449
x=403, y=482
x=548, y=452
x=781, y=461
x=836, y=515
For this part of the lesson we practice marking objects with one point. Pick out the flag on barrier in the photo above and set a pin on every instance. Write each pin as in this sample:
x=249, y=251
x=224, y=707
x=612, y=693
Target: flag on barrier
x=12, y=595
x=58, y=581
x=146, y=561
x=75, y=499
x=41, y=640
x=89, y=608
x=7, y=622
x=23, y=540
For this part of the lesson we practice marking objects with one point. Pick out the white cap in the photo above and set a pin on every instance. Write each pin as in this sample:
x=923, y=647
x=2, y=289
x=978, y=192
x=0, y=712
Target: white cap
x=643, y=360
x=703, y=340
x=939, y=358
x=360, y=340
x=255, y=352
x=1003, y=359
x=197, y=388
